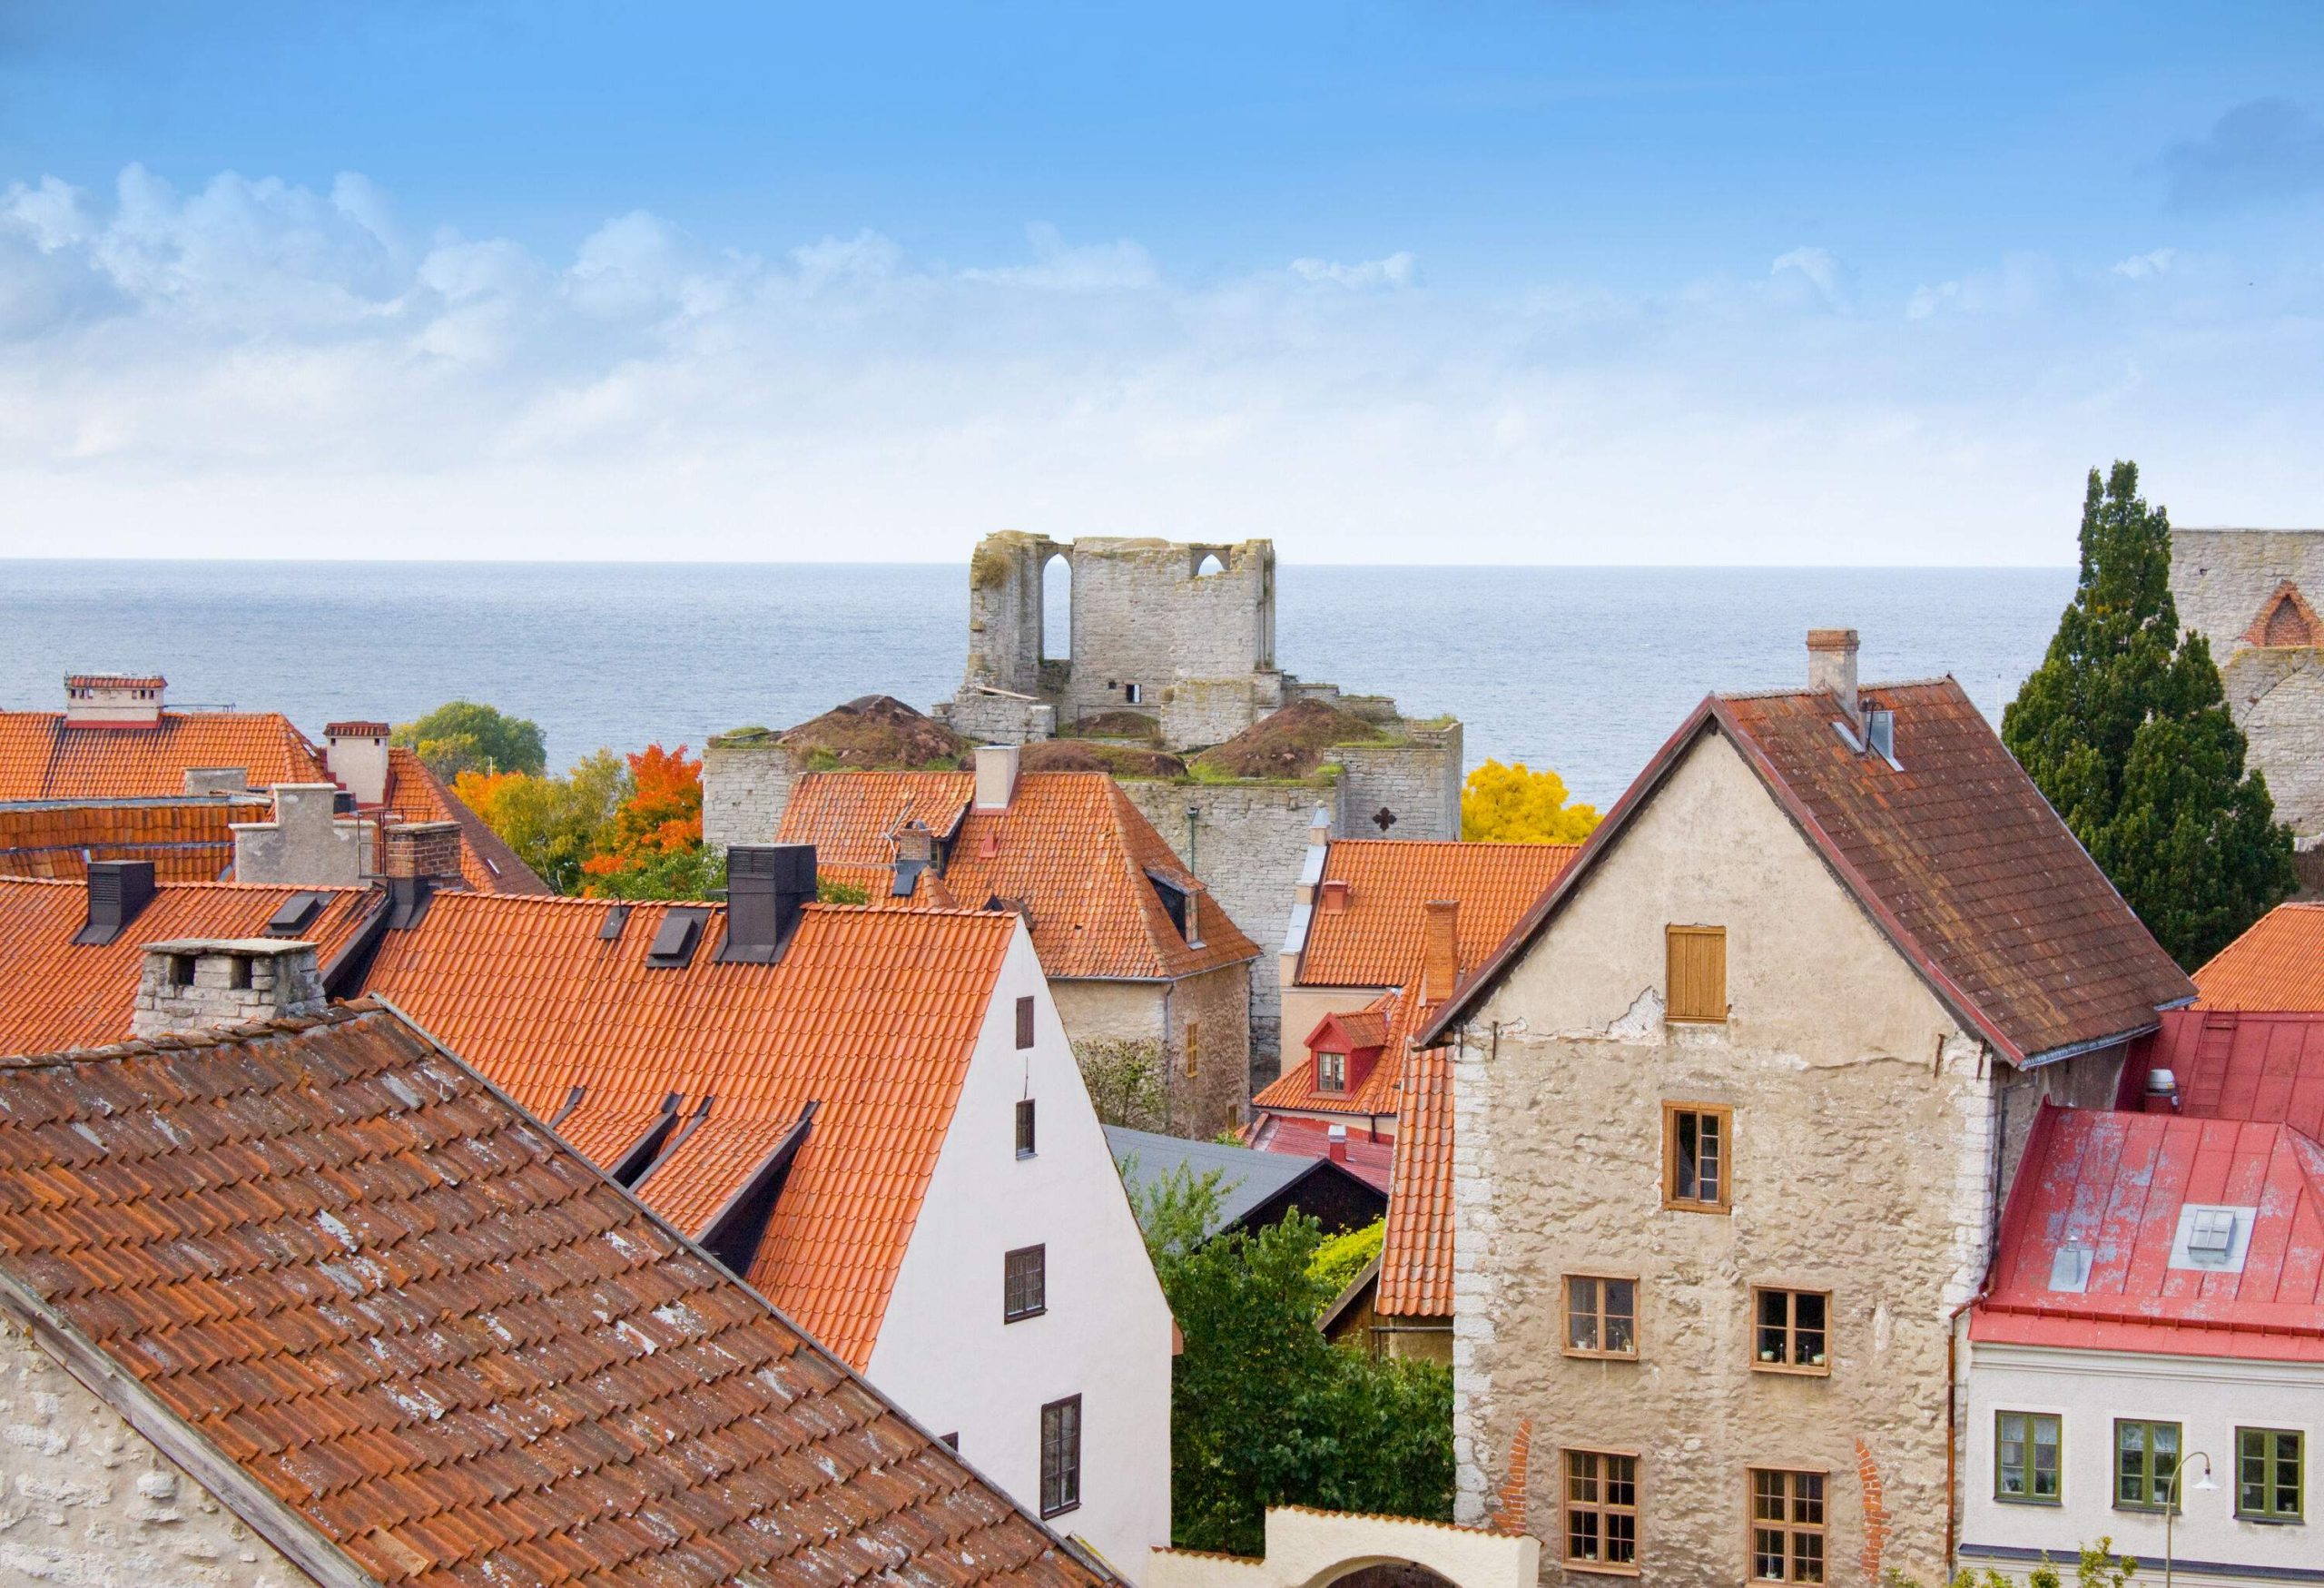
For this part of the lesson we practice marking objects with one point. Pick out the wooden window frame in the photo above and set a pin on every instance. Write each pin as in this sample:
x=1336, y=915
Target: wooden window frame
x=1792, y=1529
x=1791, y=1332
x=2269, y=1515
x=1028, y=1129
x=1194, y=1049
x=1025, y=1021
x=1055, y=1482
x=1565, y=1311
x=1339, y=1086
x=2156, y=1483
x=1671, y=1201
x=1602, y=1508
x=1672, y=936
x=1031, y=1299
x=2027, y=1445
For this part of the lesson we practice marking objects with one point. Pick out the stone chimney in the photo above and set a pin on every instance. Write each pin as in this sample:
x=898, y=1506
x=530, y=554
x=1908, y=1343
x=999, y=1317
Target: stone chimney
x=357, y=754
x=307, y=846
x=201, y=983
x=1831, y=667
x=429, y=850
x=114, y=700
x=915, y=852
x=1440, y=949
x=996, y=776
x=204, y=782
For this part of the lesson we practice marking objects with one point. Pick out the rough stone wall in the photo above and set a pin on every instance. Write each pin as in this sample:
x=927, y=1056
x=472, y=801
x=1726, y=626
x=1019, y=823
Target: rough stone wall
x=1209, y=711
x=307, y=846
x=2219, y=578
x=1861, y=1163
x=85, y=1499
x=1141, y=616
x=2276, y=697
x=1217, y=1003
x=745, y=787
x=998, y=719
x=1418, y=782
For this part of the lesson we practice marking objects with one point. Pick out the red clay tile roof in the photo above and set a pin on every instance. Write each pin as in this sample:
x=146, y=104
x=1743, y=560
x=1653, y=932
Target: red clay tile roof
x=872, y=1014
x=1391, y=1022
x=425, y=1336
x=116, y=681
x=41, y=759
x=187, y=840
x=2115, y=1183
x=1958, y=858
x=487, y=865
x=57, y=993
x=1416, y=1255
x=1071, y=847
x=2267, y=1068
x=355, y=730
x=1390, y=881
x=2277, y=963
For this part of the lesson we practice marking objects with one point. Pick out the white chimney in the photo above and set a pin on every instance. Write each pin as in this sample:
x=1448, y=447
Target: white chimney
x=357, y=754
x=199, y=983
x=996, y=776
x=308, y=844
x=114, y=700
x=1831, y=667
x=1336, y=1138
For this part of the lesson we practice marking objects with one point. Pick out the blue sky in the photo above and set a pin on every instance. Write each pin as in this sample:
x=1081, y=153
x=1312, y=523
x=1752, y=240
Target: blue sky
x=1595, y=281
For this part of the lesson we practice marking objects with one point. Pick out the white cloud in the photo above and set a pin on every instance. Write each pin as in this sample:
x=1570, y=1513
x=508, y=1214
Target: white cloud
x=1818, y=267
x=1398, y=270
x=1106, y=267
x=2144, y=267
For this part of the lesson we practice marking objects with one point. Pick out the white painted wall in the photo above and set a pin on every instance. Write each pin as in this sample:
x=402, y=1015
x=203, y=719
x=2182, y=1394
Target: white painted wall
x=943, y=1352
x=2210, y=1396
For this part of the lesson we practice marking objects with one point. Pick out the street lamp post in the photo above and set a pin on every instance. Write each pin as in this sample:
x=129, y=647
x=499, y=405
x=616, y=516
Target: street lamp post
x=2203, y=1485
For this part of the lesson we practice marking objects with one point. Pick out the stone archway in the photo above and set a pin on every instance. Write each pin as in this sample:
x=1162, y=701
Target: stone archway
x=1338, y=1549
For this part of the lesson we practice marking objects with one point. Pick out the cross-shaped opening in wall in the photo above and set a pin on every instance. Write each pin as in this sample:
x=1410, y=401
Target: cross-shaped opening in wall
x=1384, y=818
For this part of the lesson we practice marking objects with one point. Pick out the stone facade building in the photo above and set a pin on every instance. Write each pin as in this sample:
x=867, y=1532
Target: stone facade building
x=1734, y=1108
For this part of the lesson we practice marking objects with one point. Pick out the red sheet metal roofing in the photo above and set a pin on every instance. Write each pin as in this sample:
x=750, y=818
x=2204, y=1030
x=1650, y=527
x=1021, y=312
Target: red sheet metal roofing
x=451, y=1348
x=1958, y=858
x=2267, y=1067
x=1070, y=847
x=2114, y=1182
x=1416, y=1255
x=1368, y=941
x=2277, y=963
x=1372, y=1162
x=41, y=759
x=872, y=1014
x=57, y=993
x=187, y=840
x=487, y=864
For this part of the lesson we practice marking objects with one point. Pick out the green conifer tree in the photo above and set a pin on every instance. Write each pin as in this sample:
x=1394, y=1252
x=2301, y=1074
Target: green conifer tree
x=2125, y=728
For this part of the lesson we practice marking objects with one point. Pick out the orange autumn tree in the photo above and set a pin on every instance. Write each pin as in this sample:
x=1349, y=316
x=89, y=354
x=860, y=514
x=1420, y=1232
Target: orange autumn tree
x=654, y=850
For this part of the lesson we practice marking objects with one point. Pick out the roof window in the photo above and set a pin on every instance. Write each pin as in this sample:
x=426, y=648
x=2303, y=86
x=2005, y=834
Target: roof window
x=675, y=940
x=2212, y=1239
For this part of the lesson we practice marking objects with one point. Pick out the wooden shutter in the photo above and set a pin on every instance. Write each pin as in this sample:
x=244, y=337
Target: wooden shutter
x=1697, y=973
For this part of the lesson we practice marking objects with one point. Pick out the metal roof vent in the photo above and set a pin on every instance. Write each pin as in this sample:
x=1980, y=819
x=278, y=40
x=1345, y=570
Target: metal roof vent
x=2069, y=1268
x=118, y=890
x=675, y=941
x=298, y=912
x=2213, y=1239
x=617, y=920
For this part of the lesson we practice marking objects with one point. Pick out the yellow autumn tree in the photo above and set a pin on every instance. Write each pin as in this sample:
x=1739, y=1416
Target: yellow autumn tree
x=1515, y=805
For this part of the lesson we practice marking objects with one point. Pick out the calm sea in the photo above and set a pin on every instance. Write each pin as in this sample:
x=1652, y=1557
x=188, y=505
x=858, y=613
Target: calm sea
x=1586, y=670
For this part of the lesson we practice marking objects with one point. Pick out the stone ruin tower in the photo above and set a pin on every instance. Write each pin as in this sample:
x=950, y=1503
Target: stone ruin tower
x=1177, y=631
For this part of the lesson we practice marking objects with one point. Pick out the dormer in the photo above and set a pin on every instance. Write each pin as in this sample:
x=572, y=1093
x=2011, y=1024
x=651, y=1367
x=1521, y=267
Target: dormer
x=1343, y=1049
x=112, y=700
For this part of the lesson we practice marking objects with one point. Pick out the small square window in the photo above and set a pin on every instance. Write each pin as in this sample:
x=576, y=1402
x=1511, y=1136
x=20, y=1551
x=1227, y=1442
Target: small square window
x=1061, y=1456
x=1600, y=1315
x=1790, y=1331
x=1696, y=1147
x=1025, y=1021
x=1331, y=1073
x=1025, y=1126
x=1025, y=1284
x=2025, y=1457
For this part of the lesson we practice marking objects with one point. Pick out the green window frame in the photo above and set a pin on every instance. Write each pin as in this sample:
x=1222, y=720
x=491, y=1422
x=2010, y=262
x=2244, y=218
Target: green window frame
x=2270, y=1473
x=2026, y=1457
x=2146, y=1456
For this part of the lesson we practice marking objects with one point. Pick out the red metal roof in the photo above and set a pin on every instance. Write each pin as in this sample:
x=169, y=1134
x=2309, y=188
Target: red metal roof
x=1372, y=1162
x=2267, y=1067
x=2115, y=1183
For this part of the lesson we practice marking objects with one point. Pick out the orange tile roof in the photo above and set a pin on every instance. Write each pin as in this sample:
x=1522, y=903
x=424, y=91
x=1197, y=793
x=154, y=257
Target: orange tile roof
x=487, y=864
x=1368, y=943
x=1071, y=847
x=2277, y=963
x=41, y=759
x=187, y=840
x=415, y=1334
x=872, y=1014
x=1416, y=1255
x=1397, y=1017
x=57, y=993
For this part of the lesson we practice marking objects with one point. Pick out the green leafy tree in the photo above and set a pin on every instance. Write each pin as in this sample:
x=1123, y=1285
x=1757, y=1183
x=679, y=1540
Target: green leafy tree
x=1264, y=1410
x=554, y=824
x=1341, y=1258
x=463, y=736
x=2125, y=729
x=1123, y=1077
x=2096, y=1566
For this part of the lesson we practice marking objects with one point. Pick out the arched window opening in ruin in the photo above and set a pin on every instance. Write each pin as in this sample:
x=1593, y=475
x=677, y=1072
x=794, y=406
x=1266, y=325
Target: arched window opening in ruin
x=1209, y=566
x=1057, y=610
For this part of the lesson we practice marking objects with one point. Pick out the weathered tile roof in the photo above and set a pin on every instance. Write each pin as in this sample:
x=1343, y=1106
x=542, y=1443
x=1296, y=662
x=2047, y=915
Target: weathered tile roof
x=1416, y=1255
x=487, y=864
x=2264, y=1067
x=187, y=840
x=1071, y=848
x=41, y=759
x=1389, y=1019
x=402, y=1326
x=1958, y=858
x=57, y=993
x=1368, y=941
x=2113, y=1184
x=2277, y=963
x=873, y=1015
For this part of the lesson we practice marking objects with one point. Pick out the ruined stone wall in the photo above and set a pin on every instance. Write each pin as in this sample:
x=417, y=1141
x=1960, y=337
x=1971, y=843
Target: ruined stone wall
x=1418, y=782
x=84, y=1498
x=996, y=719
x=744, y=786
x=1141, y=616
x=1861, y=1163
x=2276, y=697
x=1210, y=711
x=1005, y=611
x=2219, y=578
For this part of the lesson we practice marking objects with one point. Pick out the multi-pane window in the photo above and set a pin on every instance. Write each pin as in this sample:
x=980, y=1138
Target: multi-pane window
x=1600, y=1315
x=1696, y=961
x=1601, y=1509
x=1787, y=1525
x=2269, y=1473
x=1331, y=1073
x=2025, y=1457
x=1696, y=1141
x=1024, y=1127
x=1789, y=1331
x=1025, y=1283
x=2146, y=1457
x=1193, y=1050
x=1061, y=1455
x=1025, y=1022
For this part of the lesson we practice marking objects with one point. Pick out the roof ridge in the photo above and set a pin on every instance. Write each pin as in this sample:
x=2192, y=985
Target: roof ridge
x=1804, y=690
x=206, y=1037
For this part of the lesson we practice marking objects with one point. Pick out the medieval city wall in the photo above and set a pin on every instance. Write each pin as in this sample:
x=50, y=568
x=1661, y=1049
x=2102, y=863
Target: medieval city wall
x=2219, y=578
x=2276, y=697
x=2222, y=580
x=746, y=784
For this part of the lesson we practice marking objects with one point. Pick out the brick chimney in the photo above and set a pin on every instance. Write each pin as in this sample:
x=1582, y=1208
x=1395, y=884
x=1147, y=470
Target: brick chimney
x=201, y=983
x=357, y=754
x=996, y=776
x=308, y=844
x=114, y=700
x=430, y=850
x=1440, y=949
x=915, y=852
x=1831, y=667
